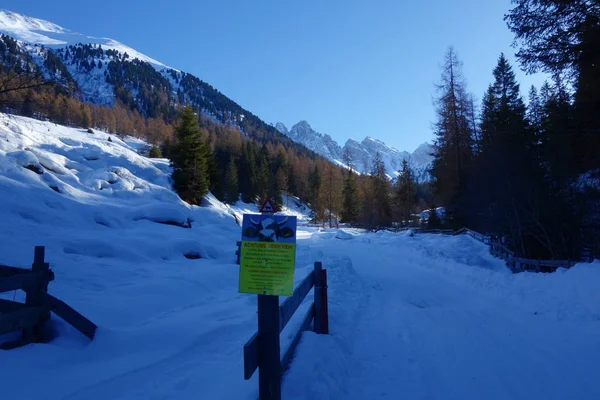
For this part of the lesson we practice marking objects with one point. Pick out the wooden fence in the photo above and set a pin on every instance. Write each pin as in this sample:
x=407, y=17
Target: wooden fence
x=519, y=264
x=262, y=351
x=516, y=264
x=475, y=235
x=30, y=317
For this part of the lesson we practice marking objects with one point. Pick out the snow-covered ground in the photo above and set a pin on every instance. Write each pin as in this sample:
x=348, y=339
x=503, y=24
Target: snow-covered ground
x=423, y=317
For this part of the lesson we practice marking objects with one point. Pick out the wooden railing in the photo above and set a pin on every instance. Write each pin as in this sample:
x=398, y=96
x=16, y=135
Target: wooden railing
x=519, y=264
x=262, y=351
x=30, y=317
x=516, y=264
x=475, y=235
x=500, y=250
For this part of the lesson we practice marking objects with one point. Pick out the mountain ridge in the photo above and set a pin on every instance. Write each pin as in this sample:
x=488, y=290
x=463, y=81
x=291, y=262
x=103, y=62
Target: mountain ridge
x=361, y=154
x=38, y=31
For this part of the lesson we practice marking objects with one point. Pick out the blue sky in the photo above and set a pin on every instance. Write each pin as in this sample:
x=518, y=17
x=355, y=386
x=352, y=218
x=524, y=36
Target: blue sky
x=350, y=68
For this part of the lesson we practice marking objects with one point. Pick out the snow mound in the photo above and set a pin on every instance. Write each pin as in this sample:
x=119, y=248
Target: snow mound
x=343, y=235
x=169, y=214
x=27, y=160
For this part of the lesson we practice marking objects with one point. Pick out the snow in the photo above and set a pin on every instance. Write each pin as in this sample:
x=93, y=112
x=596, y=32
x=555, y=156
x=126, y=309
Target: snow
x=343, y=235
x=37, y=31
x=436, y=317
x=422, y=316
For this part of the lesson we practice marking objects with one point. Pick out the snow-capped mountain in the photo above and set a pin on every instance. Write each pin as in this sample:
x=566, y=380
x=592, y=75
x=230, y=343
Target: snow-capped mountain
x=320, y=143
x=37, y=31
x=361, y=154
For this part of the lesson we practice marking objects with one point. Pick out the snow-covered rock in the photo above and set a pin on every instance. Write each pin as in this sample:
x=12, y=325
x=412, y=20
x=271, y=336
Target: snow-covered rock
x=27, y=159
x=343, y=235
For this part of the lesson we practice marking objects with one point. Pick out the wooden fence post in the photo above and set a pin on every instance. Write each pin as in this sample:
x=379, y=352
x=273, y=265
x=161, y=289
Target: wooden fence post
x=35, y=295
x=321, y=309
x=269, y=364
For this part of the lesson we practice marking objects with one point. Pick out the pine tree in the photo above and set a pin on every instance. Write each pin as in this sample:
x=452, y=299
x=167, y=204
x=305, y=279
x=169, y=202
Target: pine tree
x=247, y=173
x=218, y=161
x=377, y=211
x=189, y=159
x=86, y=119
x=557, y=142
x=231, y=182
x=153, y=153
x=262, y=181
x=534, y=110
x=510, y=180
x=277, y=178
x=315, y=181
x=454, y=139
x=504, y=113
x=473, y=117
x=332, y=188
x=405, y=194
x=351, y=204
x=27, y=107
x=564, y=37
x=274, y=192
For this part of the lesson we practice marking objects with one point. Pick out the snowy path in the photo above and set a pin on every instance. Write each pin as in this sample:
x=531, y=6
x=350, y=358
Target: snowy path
x=423, y=333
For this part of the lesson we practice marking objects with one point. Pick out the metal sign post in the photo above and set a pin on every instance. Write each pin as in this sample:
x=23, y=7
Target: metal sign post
x=269, y=365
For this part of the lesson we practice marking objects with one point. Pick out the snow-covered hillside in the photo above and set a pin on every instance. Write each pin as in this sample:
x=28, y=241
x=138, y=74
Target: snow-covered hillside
x=428, y=316
x=362, y=154
x=37, y=31
x=101, y=69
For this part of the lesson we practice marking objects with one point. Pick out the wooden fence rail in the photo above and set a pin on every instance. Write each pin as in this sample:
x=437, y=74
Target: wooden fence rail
x=262, y=351
x=499, y=250
x=30, y=317
x=516, y=264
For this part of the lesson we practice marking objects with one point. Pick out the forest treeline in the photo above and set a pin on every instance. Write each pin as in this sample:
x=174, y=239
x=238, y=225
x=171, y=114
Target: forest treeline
x=527, y=169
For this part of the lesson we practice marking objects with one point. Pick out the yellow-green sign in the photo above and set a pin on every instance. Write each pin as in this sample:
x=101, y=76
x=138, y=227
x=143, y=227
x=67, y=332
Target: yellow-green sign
x=268, y=255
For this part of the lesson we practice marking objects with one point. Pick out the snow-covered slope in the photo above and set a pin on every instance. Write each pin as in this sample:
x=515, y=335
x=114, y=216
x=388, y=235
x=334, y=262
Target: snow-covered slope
x=156, y=275
x=37, y=31
x=362, y=154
